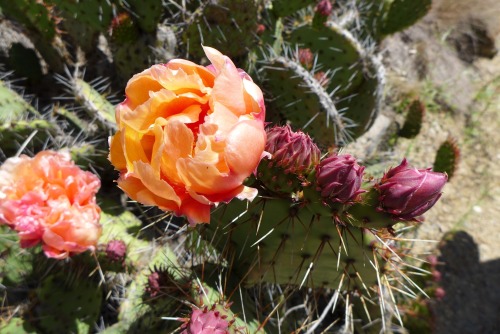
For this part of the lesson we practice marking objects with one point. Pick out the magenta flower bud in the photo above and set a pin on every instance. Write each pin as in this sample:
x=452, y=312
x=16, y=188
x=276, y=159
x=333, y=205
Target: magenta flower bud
x=324, y=7
x=116, y=250
x=339, y=178
x=295, y=152
x=306, y=57
x=407, y=192
x=206, y=322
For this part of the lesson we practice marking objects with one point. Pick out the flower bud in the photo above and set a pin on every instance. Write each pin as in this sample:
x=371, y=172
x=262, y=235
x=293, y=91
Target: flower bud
x=407, y=192
x=206, y=322
x=116, y=250
x=306, y=58
x=324, y=7
x=339, y=178
x=295, y=152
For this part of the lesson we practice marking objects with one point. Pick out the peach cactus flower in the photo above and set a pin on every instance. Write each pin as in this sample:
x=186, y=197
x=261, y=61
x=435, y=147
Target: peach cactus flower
x=189, y=135
x=48, y=199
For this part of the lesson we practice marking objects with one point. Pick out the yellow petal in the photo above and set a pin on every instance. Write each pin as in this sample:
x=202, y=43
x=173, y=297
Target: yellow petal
x=179, y=142
x=133, y=148
x=157, y=186
x=139, y=86
x=116, y=154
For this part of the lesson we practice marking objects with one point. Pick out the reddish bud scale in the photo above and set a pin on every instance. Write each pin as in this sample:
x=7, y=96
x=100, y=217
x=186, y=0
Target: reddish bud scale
x=295, y=152
x=306, y=58
x=116, y=250
x=324, y=7
x=294, y=155
x=339, y=178
x=407, y=192
x=206, y=322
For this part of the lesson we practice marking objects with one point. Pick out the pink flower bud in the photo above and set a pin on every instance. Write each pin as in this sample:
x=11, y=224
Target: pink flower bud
x=407, y=192
x=306, y=57
x=116, y=250
x=154, y=284
x=339, y=178
x=324, y=7
x=295, y=152
x=206, y=322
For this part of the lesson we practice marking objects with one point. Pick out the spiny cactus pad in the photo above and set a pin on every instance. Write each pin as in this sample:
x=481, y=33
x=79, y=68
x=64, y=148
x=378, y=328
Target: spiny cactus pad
x=279, y=242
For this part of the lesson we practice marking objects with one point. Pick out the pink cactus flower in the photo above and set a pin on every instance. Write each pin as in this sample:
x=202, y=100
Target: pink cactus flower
x=48, y=199
x=293, y=151
x=407, y=192
x=339, y=178
x=206, y=322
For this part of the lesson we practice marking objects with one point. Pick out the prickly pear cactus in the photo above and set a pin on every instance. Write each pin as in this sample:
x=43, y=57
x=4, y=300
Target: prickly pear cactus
x=311, y=231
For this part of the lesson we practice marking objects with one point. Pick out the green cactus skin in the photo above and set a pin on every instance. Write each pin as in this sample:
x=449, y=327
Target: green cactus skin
x=68, y=306
x=134, y=313
x=414, y=119
x=133, y=57
x=351, y=98
x=404, y=13
x=384, y=17
x=447, y=158
x=16, y=326
x=227, y=25
x=15, y=262
x=94, y=104
x=280, y=242
x=284, y=8
x=147, y=14
x=13, y=106
x=336, y=50
x=298, y=98
x=96, y=14
x=15, y=133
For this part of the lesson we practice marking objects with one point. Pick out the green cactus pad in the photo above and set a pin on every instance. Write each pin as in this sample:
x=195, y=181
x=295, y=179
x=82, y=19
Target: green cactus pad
x=31, y=13
x=96, y=14
x=414, y=119
x=147, y=14
x=68, y=306
x=16, y=326
x=447, y=158
x=337, y=51
x=12, y=105
x=288, y=7
x=134, y=57
x=227, y=25
x=362, y=107
x=15, y=262
x=277, y=241
x=404, y=13
x=299, y=99
x=14, y=134
x=93, y=103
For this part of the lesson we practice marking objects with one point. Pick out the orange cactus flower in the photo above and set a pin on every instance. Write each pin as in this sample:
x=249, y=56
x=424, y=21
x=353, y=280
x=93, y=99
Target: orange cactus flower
x=48, y=199
x=189, y=135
